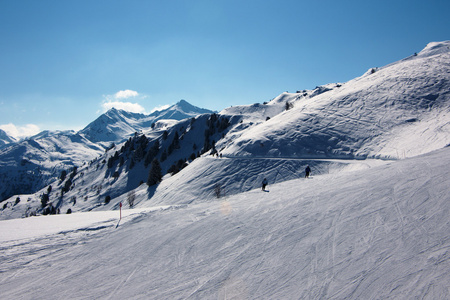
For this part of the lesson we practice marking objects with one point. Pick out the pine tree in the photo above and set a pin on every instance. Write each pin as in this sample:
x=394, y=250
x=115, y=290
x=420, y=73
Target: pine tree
x=63, y=175
x=151, y=154
x=155, y=174
x=44, y=200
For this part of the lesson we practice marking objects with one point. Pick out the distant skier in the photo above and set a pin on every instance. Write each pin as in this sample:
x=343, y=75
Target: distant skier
x=264, y=184
x=307, y=172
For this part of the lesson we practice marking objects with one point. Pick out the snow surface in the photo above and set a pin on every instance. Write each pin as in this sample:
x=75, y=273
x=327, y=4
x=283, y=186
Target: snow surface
x=400, y=110
x=371, y=223
x=35, y=227
x=375, y=233
x=5, y=139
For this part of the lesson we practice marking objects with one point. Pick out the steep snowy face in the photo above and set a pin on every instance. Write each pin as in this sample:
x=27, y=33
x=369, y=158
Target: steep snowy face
x=396, y=111
x=112, y=126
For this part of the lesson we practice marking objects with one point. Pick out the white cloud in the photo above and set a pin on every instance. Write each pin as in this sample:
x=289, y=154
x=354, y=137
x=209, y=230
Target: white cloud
x=20, y=131
x=126, y=94
x=118, y=101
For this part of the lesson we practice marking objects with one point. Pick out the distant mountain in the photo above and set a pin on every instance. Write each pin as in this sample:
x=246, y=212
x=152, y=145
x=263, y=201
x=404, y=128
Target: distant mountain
x=5, y=138
x=118, y=125
x=30, y=164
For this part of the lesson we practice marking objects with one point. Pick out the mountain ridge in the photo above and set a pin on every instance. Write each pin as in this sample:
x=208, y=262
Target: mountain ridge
x=116, y=125
x=409, y=95
x=395, y=112
x=5, y=138
x=29, y=164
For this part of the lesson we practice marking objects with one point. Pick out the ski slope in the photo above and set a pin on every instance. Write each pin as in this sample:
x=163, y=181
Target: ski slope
x=367, y=233
x=397, y=111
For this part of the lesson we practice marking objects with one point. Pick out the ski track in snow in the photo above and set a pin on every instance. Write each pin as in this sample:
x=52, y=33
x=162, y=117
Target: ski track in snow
x=379, y=232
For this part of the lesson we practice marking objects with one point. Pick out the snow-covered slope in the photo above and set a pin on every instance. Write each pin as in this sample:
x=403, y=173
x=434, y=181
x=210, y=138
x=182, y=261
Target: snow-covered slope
x=5, y=139
x=397, y=111
x=123, y=168
x=378, y=233
x=29, y=165
x=392, y=112
x=361, y=228
x=118, y=125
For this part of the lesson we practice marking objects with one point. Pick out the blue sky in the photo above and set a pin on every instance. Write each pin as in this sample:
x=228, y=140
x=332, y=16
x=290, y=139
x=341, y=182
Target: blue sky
x=63, y=63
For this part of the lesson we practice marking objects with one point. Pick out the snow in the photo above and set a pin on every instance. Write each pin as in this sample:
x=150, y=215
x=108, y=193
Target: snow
x=37, y=227
x=118, y=125
x=5, y=139
x=401, y=110
x=381, y=232
x=371, y=223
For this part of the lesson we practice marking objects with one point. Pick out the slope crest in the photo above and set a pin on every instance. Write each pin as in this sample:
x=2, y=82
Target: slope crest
x=398, y=111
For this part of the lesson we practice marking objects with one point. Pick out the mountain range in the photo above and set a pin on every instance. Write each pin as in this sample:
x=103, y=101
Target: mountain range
x=389, y=113
x=148, y=207
x=30, y=164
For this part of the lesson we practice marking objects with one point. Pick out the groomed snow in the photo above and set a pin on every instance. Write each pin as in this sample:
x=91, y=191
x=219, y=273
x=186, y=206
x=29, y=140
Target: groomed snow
x=376, y=233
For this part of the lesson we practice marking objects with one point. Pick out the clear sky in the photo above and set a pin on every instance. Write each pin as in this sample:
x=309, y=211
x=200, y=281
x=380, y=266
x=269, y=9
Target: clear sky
x=63, y=63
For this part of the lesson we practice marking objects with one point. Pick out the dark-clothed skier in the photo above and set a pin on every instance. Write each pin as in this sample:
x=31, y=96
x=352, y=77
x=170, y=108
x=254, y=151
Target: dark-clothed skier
x=264, y=183
x=307, y=171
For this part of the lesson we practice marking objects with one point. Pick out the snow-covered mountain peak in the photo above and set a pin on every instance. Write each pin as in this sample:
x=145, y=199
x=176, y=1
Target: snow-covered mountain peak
x=118, y=125
x=5, y=138
x=186, y=107
x=181, y=110
x=34, y=162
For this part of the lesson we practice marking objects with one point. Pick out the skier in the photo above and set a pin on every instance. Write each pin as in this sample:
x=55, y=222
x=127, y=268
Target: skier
x=264, y=183
x=307, y=171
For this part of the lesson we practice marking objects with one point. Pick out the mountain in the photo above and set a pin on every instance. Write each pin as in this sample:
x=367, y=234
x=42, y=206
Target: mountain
x=372, y=222
x=396, y=111
x=29, y=165
x=5, y=138
x=389, y=113
x=118, y=125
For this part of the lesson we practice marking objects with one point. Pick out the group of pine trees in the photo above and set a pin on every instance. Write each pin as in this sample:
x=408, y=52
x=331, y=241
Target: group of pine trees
x=135, y=150
x=140, y=148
